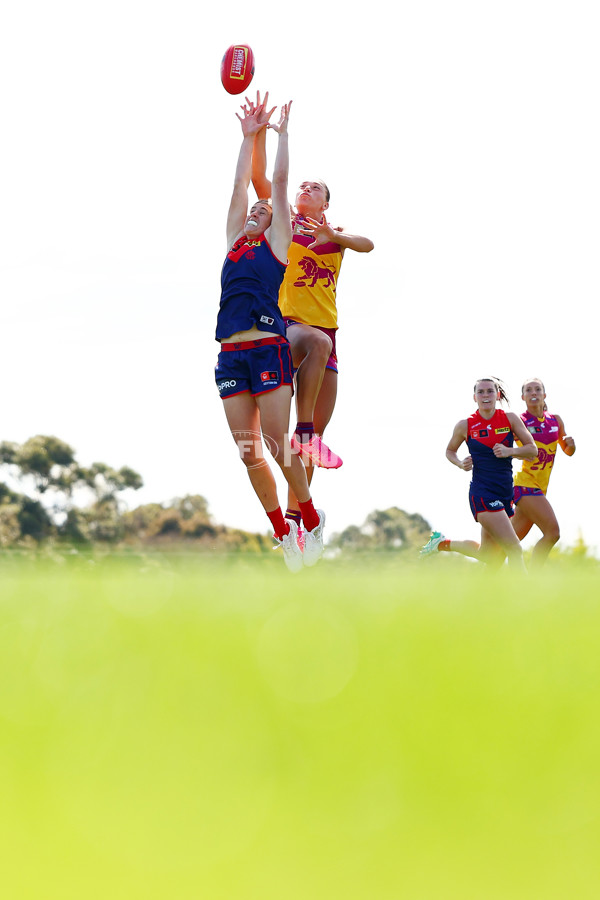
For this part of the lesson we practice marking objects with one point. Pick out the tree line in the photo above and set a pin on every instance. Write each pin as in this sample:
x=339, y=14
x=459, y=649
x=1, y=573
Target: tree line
x=46, y=495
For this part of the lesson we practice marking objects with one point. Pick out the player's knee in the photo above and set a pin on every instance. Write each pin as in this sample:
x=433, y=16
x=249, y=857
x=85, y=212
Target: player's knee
x=251, y=452
x=321, y=346
x=553, y=534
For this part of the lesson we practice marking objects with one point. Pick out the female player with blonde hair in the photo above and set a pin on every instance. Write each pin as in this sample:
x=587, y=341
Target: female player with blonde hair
x=531, y=483
x=489, y=435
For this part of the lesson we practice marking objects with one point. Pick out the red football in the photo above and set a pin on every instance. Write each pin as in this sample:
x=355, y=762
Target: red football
x=237, y=68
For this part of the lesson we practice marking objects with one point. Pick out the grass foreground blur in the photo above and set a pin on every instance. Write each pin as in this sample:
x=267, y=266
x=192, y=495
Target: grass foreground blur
x=220, y=729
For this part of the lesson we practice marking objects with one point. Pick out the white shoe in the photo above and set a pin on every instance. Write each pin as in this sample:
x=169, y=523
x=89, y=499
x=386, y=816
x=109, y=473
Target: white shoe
x=292, y=554
x=432, y=544
x=313, y=542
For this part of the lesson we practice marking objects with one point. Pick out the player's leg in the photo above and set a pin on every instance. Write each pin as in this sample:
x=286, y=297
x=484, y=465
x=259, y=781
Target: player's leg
x=467, y=548
x=538, y=510
x=243, y=418
x=490, y=551
x=323, y=412
x=274, y=413
x=274, y=409
x=310, y=351
x=497, y=529
x=521, y=521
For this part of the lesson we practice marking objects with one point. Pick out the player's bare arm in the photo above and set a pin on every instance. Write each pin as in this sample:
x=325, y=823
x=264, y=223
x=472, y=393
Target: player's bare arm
x=566, y=442
x=238, y=206
x=323, y=233
x=260, y=182
x=280, y=235
x=527, y=450
x=459, y=436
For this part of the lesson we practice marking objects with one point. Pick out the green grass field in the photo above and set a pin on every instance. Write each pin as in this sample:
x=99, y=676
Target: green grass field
x=219, y=729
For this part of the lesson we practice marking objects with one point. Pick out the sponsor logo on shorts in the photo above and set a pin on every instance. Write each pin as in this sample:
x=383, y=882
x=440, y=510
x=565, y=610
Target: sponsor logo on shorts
x=224, y=385
x=496, y=503
x=269, y=376
x=267, y=320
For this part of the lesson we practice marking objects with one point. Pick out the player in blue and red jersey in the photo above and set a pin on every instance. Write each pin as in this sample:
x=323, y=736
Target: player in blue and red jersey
x=254, y=368
x=489, y=435
x=531, y=483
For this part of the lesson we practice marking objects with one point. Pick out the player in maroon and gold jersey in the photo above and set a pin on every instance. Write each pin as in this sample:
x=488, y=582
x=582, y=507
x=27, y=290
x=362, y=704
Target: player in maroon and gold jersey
x=308, y=302
x=531, y=483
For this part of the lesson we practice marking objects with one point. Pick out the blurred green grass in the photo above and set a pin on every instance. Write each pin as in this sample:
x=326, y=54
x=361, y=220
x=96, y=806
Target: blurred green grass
x=220, y=729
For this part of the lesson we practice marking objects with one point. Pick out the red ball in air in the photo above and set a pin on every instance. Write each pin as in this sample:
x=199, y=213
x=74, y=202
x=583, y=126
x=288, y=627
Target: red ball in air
x=237, y=68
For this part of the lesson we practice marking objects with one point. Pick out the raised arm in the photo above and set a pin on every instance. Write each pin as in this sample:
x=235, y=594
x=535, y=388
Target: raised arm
x=261, y=183
x=459, y=436
x=238, y=207
x=566, y=442
x=280, y=231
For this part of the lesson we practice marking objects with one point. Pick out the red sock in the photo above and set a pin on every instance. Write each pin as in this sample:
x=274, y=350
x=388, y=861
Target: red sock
x=444, y=545
x=310, y=516
x=280, y=526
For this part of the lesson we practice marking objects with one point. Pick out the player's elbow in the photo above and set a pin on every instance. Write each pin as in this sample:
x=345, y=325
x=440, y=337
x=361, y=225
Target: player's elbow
x=365, y=246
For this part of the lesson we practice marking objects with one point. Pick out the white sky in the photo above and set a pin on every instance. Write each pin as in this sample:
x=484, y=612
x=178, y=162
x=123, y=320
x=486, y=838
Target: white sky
x=462, y=137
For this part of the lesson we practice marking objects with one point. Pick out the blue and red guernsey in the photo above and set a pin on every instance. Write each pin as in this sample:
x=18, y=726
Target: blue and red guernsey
x=250, y=282
x=490, y=474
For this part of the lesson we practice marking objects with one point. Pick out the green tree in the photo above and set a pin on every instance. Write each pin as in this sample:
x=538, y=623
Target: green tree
x=388, y=529
x=46, y=466
x=107, y=482
x=45, y=460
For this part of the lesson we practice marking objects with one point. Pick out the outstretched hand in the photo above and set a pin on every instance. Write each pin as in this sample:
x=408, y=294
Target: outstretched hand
x=322, y=232
x=263, y=114
x=281, y=128
x=251, y=122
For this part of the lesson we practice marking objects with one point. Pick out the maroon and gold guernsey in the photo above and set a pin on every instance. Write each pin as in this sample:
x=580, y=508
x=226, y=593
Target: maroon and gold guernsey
x=535, y=473
x=308, y=291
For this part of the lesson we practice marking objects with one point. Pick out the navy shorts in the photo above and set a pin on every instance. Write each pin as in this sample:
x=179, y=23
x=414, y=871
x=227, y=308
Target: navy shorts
x=256, y=366
x=480, y=501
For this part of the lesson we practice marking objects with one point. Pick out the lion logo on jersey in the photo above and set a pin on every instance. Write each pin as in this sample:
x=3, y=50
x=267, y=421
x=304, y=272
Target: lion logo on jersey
x=313, y=272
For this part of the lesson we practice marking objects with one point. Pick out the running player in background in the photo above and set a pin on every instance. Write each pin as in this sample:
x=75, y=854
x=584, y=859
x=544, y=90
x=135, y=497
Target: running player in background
x=531, y=483
x=254, y=369
x=489, y=435
x=308, y=303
